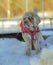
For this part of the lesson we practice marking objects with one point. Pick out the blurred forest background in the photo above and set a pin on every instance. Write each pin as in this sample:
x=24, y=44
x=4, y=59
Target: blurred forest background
x=18, y=7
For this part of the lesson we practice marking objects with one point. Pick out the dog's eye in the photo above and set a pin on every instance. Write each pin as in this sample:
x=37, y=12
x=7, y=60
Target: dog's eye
x=31, y=18
x=24, y=18
x=25, y=22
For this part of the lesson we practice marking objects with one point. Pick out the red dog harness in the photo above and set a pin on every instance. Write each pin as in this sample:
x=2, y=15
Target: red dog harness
x=26, y=30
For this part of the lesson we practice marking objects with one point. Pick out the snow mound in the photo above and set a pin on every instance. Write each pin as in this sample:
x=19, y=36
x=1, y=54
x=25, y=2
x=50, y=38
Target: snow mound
x=46, y=57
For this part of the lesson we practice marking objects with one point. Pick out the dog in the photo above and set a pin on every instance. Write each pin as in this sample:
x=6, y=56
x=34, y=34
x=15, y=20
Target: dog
x=30, y=31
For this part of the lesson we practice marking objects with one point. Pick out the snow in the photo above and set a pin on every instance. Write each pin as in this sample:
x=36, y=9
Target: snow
x=9, y=27
x=14, y=27
x=12, y=52
x=46, y=55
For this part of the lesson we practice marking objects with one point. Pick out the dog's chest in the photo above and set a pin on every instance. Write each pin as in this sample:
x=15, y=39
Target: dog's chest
x=31, y=36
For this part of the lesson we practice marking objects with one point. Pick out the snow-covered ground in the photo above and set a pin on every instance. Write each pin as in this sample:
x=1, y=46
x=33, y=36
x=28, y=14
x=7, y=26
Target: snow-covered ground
x=12, y=52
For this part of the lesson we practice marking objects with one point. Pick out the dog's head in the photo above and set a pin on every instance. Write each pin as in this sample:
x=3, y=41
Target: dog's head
x=30, y=20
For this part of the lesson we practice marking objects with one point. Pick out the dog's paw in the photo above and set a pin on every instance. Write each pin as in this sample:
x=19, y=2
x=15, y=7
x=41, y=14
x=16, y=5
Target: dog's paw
x=37, y=52
x=28, y=53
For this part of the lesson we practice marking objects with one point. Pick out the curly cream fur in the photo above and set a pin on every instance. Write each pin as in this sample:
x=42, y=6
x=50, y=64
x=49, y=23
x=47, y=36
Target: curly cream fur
x=31, y=25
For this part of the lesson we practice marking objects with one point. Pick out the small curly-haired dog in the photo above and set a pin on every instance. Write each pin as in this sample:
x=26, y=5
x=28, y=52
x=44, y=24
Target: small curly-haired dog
x=30, y=31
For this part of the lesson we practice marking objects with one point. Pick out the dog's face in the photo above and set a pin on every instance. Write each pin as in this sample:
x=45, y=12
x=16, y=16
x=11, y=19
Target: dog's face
x=30, y=20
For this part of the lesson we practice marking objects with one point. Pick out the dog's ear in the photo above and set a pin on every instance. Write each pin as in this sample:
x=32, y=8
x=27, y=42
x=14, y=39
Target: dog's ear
x=39, y=20
x=26, y=16
x=36, y=17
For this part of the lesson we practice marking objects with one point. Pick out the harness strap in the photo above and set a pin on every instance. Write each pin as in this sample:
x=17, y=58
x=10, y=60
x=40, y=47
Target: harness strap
x=26, y=30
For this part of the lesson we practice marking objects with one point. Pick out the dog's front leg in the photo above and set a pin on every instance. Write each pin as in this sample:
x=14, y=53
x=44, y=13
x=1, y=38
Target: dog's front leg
x=37, y=46
x=28, y=48
x=36, y=43
x=27, y=39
